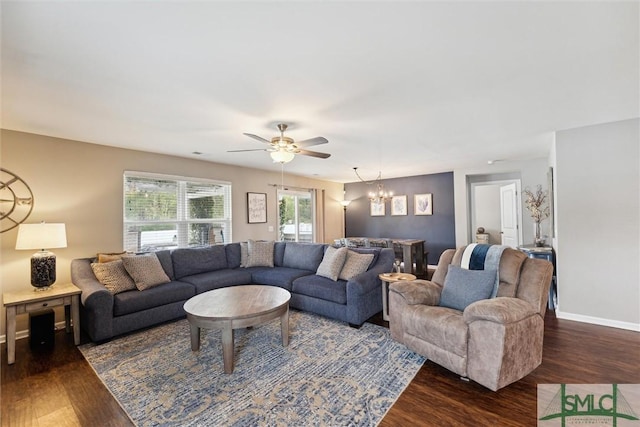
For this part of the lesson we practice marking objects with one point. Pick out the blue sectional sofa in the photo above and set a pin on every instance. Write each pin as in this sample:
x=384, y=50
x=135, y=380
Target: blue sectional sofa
x=195, y=270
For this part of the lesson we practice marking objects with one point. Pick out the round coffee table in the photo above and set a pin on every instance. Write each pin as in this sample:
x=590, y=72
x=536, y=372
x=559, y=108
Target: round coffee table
x=386, y=279
x=237, y=307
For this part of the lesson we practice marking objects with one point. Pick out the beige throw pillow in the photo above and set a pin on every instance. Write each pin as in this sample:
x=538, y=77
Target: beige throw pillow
x=332, y=263
x=113, y=276
x=260, y=254
x=109, y=256
x=355, y=264
x=145, y=270
x=244, y=254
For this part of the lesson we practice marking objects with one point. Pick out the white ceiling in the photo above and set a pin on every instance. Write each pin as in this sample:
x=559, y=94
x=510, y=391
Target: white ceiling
x=406, y=88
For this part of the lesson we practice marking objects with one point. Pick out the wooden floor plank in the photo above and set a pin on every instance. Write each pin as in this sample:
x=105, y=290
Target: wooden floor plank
x=60, y=388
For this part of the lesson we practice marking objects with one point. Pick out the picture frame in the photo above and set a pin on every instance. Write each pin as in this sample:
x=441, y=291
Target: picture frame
x=377, y=208
x=423, y=204
x=256, y=208
x=399, y=205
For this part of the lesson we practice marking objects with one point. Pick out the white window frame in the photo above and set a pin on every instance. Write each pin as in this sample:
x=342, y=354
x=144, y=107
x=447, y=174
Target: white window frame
x=182, y=221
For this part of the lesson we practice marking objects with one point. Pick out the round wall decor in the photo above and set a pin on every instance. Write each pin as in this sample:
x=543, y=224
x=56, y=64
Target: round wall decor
x=16, y=200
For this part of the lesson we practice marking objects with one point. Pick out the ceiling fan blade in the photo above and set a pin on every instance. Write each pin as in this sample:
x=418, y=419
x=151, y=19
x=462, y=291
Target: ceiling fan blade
x=313, y=154
x=310, y=142
x=253, y=149
x=257, y=138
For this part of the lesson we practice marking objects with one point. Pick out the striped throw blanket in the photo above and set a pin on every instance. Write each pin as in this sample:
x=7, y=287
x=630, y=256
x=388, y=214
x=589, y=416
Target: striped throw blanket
x=483, y=257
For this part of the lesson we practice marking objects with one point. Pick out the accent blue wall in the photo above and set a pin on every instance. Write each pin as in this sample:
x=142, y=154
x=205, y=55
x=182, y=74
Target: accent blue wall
x=438, y=230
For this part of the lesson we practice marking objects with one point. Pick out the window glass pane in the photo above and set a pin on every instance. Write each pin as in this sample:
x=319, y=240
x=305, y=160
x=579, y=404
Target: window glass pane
x=205, y=201
x=166, y=212
x=150, y=199
x=202, y=234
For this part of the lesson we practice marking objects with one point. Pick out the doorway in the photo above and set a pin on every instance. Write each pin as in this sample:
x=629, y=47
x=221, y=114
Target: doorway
x=494, y=205
x=296, y=215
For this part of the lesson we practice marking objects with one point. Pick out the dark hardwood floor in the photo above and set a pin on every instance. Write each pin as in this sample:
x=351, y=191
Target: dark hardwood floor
x=59, y=388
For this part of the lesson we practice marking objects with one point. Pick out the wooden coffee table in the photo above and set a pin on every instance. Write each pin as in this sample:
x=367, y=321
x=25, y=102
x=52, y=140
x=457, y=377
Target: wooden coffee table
x=237, y=307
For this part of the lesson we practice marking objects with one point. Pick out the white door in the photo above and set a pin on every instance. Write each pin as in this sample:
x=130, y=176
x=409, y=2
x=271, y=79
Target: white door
x=509, y=215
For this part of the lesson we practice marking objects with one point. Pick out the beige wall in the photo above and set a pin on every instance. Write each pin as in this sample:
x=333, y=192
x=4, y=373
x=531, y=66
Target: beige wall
x=80, y=185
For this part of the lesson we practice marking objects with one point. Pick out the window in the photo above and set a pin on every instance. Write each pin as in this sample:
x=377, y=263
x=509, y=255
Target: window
x=165, y=212
x=296, y=215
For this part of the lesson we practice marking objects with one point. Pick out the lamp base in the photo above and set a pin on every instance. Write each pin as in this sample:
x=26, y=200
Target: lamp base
x=43, y=270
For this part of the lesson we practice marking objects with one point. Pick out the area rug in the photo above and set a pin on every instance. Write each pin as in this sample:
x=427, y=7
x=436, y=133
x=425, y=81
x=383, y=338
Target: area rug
x=329, y=375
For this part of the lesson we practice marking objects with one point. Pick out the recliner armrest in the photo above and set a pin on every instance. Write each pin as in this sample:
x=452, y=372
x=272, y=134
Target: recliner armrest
x=417, y=291
x=499, y=310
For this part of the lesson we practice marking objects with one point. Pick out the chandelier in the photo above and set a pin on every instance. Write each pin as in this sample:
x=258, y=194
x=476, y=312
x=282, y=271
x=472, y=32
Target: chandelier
x=380, y=195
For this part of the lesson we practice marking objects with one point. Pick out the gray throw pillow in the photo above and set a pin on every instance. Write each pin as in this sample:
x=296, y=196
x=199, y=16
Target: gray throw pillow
x=463, y=287
x=356, y=263
x=113, y=276
x=260, y=254
x=332, y=263
x=145, y=270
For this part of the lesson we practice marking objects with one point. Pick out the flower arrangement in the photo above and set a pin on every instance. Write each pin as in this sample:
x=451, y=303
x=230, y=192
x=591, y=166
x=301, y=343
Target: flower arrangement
x=536, y=203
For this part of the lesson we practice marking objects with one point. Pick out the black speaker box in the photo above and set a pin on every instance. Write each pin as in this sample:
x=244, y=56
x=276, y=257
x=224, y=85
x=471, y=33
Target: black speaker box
x=42, y=329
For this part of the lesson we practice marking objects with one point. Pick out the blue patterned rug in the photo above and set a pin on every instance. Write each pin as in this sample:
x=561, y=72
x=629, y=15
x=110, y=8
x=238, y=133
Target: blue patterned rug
x=329, y=375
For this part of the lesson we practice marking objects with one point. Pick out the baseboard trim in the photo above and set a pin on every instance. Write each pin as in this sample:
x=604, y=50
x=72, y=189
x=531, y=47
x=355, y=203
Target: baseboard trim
x=25, y=333
x=598, y=321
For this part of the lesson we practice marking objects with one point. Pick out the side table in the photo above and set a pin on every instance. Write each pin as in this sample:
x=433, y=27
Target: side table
x=546, y=253
x=390, y=278
x=30, y=300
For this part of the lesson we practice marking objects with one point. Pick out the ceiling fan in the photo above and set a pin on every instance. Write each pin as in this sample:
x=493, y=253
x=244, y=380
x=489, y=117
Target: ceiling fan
x=283, y=149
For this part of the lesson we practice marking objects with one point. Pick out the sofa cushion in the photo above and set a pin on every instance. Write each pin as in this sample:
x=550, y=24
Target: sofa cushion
x=277, y=276
x=113, y=276
x=356, y=263
x=278, y=253
x=303, y=256
x=135, y=301
x=218, y=279
x=189, y=261
x=446, y=328
x=463, y=287
x=233, y=251
x=332, y=263
x=145, y=270
x=167, y=263
x=260, y=254
x=322, y=288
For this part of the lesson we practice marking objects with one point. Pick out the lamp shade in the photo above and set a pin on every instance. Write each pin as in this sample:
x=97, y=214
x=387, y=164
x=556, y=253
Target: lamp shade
x=41, y=236
x=282, y=156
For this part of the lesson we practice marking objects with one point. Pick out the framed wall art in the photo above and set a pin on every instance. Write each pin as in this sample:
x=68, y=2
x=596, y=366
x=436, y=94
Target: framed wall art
x=423, y=204
x=399, y=205
x=256, y=208
x=377, y=208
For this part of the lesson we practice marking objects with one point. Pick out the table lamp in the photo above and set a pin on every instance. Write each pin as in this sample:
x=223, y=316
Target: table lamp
x=43, y=263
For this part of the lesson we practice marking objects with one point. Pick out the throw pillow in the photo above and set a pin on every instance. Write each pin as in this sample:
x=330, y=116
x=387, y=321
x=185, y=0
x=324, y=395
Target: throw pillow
x=244, y=254
x=109, y=256
x=260, y=254
x=145, y=270
x=332, y=263
x=463, y=287
x=356, y=263
x=113, y=276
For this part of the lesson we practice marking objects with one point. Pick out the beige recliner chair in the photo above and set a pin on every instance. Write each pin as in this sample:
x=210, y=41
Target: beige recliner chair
x=494, y=341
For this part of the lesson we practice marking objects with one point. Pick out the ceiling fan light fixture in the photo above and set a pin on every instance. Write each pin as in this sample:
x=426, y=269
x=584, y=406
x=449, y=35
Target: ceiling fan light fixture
x=281, y=156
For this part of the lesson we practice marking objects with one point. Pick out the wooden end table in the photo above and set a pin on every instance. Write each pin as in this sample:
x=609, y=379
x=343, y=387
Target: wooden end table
x=237, y=307
x=31, y=300
x=390, y=278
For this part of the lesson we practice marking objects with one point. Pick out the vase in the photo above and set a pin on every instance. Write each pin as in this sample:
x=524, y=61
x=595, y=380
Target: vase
x=538, y=240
